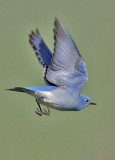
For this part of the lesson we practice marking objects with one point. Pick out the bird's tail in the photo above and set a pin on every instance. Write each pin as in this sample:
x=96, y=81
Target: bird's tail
x=22, y=89
x=33, y=91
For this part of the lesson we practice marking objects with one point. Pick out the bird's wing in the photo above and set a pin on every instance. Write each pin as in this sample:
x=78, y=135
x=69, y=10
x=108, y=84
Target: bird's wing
x=67, y=67
x=42, y=52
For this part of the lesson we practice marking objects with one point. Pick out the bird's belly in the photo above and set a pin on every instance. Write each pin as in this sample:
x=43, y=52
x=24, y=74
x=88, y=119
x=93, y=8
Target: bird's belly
x=60, y=100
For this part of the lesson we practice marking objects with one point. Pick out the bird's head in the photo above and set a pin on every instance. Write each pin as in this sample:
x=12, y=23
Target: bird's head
x=84, y=102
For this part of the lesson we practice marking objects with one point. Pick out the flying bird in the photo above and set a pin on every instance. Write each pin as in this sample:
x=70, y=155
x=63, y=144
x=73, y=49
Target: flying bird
x=65, y=73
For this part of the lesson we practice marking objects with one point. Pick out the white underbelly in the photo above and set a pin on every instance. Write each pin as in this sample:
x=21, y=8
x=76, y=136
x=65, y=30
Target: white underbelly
x=59, y=100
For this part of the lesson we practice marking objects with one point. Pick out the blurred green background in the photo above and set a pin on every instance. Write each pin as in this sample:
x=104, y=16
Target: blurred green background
x=85, y=135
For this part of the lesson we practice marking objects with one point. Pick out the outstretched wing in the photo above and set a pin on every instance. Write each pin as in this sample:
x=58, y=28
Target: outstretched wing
x=42, y=52
x=67, y=67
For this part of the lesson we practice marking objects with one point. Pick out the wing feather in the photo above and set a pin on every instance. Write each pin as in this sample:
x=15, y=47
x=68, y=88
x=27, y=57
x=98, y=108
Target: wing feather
x=42, y=52
x=67, y=67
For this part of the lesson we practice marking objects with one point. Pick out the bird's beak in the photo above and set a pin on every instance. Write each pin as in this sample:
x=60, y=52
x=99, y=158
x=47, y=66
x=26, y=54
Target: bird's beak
x=93, y=103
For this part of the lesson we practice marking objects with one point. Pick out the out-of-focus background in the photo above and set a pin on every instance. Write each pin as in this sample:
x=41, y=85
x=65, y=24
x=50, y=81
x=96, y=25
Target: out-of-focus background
x=85, y=135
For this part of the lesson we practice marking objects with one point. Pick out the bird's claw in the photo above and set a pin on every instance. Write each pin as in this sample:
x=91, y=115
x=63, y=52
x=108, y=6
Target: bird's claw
x=46, y=112
x=38, y=112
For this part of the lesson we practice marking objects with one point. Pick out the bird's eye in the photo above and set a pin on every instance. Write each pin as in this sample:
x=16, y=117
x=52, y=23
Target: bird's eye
x=86, y=100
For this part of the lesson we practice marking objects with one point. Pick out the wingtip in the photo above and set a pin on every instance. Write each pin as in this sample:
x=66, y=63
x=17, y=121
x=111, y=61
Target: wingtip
x=37, y=31
x=56, y=19
x=58, y=24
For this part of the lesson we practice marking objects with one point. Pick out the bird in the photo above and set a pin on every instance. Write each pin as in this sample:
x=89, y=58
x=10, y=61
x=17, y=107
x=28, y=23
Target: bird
x=65, y=73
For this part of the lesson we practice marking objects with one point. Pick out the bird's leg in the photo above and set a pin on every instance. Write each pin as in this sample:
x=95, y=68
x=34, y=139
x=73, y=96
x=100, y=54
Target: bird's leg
x=39, y=110
x=46, y=112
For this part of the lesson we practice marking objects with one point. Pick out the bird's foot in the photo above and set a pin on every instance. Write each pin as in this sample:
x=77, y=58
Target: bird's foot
x=39, y=112
x=46, y=112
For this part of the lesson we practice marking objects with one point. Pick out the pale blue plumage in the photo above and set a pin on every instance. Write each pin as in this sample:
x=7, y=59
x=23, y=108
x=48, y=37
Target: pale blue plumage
x=65, y=73
x=42, y=88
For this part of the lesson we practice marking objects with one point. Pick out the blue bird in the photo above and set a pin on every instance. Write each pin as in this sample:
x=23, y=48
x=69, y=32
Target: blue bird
x=65, y=73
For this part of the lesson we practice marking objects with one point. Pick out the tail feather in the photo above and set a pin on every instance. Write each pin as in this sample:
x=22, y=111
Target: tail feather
x=33, y=91
x=21, y=89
